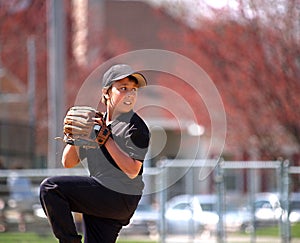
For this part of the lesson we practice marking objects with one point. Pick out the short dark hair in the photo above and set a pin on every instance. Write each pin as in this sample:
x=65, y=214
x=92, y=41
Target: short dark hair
x=132, y=78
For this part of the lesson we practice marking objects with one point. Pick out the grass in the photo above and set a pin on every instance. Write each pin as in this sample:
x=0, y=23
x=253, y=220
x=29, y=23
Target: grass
x=269, y=231
x=31, y=237
x=28, y=237
x=295, y=230
x=275, y=231
x=25, y=238
x=135, y=241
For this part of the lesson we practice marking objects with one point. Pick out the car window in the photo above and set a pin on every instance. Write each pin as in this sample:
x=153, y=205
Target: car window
x=182, y=206
x=262, y=204
x=208, y=207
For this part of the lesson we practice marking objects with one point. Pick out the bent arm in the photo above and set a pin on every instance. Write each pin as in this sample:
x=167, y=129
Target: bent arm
x=70, y=157
x=128, y=165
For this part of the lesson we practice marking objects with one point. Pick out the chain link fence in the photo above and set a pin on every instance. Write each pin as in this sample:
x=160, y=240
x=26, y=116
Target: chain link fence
x=227, y=183
x=232, y=182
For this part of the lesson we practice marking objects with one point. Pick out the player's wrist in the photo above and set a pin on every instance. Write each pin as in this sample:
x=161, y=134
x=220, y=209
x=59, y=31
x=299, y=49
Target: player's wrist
x=103, y=134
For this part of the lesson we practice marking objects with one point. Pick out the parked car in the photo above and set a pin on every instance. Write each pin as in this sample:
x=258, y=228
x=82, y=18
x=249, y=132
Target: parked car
x=185, y=214
x=235, y=217
x=196, y=213
x=267, y=209
x=209, y=211
x=294, y=215
x=143, y=222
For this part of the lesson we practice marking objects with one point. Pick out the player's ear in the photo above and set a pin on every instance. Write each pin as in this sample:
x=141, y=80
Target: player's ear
x=105, y=93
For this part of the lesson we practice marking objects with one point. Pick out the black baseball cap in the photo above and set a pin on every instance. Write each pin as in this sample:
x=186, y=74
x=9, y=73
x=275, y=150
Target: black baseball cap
x=120, y=71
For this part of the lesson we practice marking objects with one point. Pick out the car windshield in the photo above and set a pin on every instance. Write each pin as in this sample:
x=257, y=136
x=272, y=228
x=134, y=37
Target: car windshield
x=262, y=204
x=182, y=206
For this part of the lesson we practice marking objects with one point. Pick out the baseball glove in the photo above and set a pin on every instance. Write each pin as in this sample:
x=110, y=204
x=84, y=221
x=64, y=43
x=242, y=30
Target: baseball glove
x=85, y=126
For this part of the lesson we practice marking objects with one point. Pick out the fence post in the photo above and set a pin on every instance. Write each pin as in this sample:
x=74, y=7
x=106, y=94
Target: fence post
x=252, y=191
x=284, y=198
x=163, y=199
x=219, y=183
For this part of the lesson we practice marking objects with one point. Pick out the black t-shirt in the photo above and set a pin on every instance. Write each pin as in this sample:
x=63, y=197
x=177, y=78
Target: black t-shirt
x=132, y=135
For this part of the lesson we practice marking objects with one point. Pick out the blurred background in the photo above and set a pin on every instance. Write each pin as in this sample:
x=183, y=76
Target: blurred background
x=249, y=48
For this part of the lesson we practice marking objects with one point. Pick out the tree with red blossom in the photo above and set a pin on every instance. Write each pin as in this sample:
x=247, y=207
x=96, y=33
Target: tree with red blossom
x=252, y=54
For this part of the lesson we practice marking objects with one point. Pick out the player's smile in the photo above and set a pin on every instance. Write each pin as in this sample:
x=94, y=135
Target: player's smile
x=127, y=103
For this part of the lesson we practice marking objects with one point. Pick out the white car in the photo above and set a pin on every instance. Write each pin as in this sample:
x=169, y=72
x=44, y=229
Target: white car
x=267, y=209
x=235, y=218
x=185, y=215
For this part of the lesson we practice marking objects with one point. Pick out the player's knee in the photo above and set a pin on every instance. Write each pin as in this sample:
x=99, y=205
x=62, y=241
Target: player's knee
x=47, y=186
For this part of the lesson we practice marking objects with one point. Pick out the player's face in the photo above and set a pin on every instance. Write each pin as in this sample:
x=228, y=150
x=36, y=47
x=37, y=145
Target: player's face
x=122, y=96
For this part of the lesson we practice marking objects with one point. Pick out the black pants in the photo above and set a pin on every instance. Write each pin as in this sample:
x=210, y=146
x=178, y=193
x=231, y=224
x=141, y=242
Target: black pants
x=104, y=211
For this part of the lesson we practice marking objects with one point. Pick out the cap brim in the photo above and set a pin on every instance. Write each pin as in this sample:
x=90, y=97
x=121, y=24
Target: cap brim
x=140, y=78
